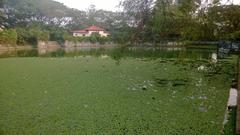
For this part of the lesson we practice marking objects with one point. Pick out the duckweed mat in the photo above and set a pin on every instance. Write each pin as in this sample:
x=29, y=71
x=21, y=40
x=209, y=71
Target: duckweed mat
x=89, y=96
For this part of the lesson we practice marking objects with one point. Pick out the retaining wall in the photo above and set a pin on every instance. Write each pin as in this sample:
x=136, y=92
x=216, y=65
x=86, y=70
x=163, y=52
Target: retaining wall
x=48, y=44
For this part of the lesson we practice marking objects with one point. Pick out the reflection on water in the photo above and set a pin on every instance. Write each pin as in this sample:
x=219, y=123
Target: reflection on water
x=3, y=52
x=75, y=49
x=115, y=53
x=43, y=51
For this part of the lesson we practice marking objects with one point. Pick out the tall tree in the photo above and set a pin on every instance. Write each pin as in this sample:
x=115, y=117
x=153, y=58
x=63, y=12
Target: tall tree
x=1, y=12
x=166, y=21
x=225, y=19
x=138, y=13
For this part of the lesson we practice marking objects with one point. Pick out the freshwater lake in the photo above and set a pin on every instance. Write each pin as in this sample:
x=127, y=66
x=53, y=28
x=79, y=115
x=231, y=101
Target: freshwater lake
x=154, y=91
x=124, y=52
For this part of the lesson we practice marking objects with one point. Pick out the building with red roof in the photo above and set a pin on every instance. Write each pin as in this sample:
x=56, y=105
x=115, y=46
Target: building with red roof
x=89, y=31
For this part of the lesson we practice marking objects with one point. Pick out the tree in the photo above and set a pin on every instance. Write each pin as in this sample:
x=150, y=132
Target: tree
x=8, y=37
x=2, y=18
x=167, y=21
x=225, y=19
x=183, y=19
x=31, y=35
x=138, y=13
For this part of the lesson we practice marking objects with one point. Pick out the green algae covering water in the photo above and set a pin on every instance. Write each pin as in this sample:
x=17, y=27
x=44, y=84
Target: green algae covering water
x=100, y=95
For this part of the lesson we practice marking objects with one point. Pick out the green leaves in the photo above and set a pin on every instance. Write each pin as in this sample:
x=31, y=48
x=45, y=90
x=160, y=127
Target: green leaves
x=94, y=38
x=138, y=13
x=31, y=35
x=8, y=37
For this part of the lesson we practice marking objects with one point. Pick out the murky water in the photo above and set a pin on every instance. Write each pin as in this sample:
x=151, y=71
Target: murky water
x=113, y=91
x=115, y=53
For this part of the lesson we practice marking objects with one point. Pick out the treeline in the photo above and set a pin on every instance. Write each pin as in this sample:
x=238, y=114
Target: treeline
x=33, y=20
x=31, y=35
x=152, y=21
x=194, y=20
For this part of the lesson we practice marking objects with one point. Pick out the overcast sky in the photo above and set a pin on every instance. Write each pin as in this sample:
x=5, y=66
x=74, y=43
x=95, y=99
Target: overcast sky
x=84, y=4
x=105, y=4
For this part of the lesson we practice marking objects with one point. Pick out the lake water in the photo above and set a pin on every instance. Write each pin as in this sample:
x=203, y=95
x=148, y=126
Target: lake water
x=116, y=53
x=113, y=91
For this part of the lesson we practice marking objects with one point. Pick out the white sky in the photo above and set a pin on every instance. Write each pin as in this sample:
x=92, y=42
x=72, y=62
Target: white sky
x=84, y=4
x=230, y=1
x=107, y=4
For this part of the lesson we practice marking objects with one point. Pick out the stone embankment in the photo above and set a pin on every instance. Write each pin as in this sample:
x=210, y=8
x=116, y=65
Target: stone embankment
x=11, y=47
x=48, y=44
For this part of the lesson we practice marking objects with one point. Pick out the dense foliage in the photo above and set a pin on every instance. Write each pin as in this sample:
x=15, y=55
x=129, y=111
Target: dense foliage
x=50, y=20
x=94, y=38
x=31, y=35
x=183, y=20
x=140, y=21
x=8, y=37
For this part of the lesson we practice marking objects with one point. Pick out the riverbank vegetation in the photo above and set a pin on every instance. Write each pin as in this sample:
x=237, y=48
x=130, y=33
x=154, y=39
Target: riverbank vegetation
x=8, y=37
x=140, y=21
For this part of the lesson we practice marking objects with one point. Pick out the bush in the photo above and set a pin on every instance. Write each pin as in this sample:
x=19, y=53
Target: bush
x=57, y=35
x=31, y=36
x=235, y=36
x=94, y=38
x=8, y=37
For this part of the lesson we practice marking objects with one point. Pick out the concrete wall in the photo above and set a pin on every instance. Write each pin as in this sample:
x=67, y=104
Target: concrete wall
x=69, y=44
x=102, y=33
x=85, y=44
x=48, y=44
x=11, y=47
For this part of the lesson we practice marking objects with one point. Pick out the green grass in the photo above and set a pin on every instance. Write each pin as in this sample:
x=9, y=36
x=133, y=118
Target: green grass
x=88, y=95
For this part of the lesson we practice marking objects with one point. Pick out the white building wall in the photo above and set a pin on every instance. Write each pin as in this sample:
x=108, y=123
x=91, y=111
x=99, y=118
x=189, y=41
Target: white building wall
x=102, y=33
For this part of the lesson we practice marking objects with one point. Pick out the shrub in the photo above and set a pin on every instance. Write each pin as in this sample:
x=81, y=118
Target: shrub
x=235, y=36
x=8, y=37
x=94, y=38
x=57, y=35
x=31, y=36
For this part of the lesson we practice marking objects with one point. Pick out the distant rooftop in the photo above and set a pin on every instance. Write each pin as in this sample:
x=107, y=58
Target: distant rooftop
x=91, y=28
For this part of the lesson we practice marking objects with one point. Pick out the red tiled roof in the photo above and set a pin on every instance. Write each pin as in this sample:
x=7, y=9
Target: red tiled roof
x=94, y=28
x=79, y=31
x=91, y=28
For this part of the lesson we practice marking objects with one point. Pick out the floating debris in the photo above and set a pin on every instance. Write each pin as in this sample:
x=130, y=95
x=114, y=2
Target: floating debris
x=202, y=109
x=134, y=89
x=144, y=87
x=104, y=56
x=174, y=92
x=203, y=97
x=199, y=82
x=163, y=61
x=201, y=68
x=174, y=83
x=179, y=82
x=86, y=106
x=192, y=97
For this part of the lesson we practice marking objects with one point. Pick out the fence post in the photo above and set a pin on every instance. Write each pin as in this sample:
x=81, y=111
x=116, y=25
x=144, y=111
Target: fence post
x=238, y=99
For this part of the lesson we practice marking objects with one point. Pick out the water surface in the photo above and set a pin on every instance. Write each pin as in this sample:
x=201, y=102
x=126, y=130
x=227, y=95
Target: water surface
x=113, y=91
